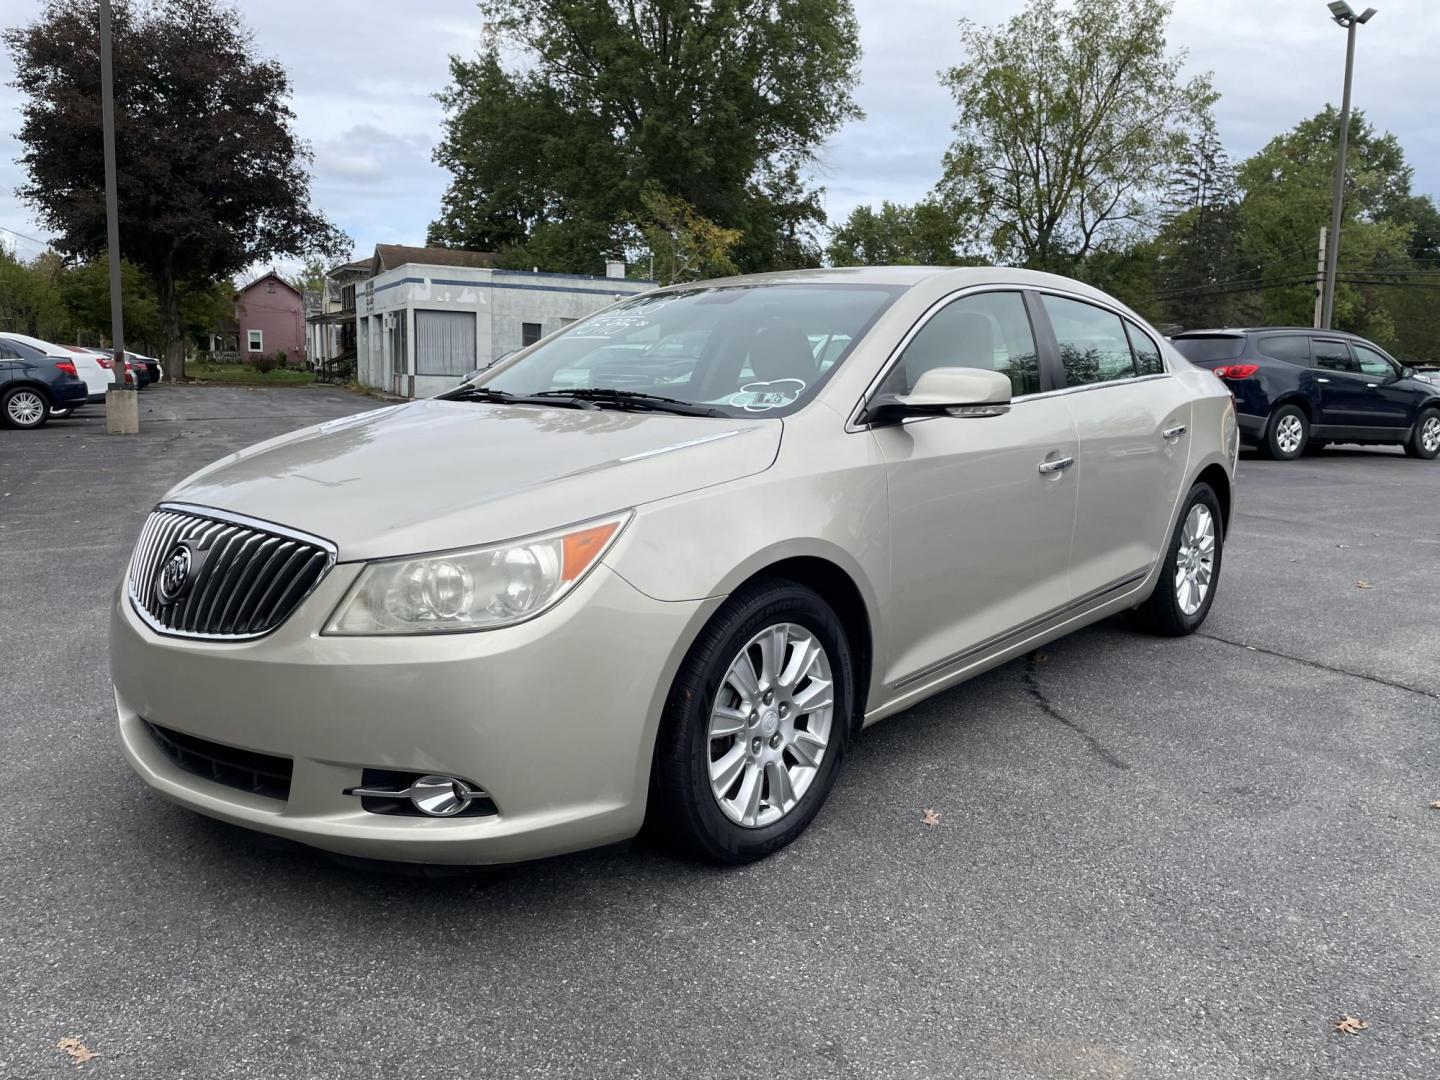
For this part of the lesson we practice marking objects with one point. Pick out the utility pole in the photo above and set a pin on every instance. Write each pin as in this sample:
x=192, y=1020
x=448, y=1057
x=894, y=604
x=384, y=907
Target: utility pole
x=1320, y=282
x=122, y=405
x=1344, y=15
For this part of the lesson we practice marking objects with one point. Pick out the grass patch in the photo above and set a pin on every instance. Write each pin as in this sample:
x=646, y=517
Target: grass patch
x=245, y=375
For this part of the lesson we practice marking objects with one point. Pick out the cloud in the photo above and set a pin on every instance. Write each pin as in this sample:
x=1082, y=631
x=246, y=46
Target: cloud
x=365, y=77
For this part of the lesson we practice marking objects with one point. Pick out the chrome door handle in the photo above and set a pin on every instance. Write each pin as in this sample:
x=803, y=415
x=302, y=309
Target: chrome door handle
x=1173, y=432
x=1371, y=385
x=1322, y=380
x=1058, y=465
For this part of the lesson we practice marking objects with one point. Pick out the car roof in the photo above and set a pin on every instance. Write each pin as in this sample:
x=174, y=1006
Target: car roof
x=49, y=348
x=1240, y=331
x=957, y=277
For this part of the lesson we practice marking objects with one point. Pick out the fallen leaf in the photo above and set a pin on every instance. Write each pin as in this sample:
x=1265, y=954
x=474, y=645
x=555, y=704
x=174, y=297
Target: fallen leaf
x=1363, y=585
x=1435, y=805
x=77, y=1050
x=931, y=818
x=1040, y=657
x=1350, y=1025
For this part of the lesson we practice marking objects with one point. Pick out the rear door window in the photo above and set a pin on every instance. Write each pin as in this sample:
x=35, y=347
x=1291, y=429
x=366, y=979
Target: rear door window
x=1092, y=341
x=1147, y=353
x=1292, y=348
x=1333, y=356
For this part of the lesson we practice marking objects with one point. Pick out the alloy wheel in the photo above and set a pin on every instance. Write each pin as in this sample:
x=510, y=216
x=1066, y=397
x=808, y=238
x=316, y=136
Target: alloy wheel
x=770, y=726
x=1289, y=433
x=1430, y=434
x=25, y=408
x=1195, y=560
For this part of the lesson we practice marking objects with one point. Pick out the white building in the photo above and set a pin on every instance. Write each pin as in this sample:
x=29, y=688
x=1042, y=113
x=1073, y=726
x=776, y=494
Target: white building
x=426, y=317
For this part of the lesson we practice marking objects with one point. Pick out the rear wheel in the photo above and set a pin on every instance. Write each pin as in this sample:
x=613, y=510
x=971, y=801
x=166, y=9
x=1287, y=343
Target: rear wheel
x=755, y=726
x=1424, y=440
x=1191, y=571
x=24, y=407
x=1286, y=434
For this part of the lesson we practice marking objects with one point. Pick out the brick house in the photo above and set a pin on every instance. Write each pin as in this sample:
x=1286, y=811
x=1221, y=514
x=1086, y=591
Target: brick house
x=270, y=318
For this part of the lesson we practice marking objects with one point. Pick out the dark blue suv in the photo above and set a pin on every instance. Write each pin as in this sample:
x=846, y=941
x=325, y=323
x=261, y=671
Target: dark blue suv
x=33, y=385
x=1299, y=389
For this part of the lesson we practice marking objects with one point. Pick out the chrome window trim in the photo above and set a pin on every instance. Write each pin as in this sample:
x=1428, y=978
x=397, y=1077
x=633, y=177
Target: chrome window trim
x=209, y=513
x=853, y=423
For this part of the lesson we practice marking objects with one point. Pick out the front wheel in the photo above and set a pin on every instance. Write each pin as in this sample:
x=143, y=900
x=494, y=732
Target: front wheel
x=24, y=407
x=1424, y=440
x=755, y=726
x=1191, y=571
x=1286, y=434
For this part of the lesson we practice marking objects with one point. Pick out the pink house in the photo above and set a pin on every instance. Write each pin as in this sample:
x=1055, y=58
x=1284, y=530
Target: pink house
x=270, y=314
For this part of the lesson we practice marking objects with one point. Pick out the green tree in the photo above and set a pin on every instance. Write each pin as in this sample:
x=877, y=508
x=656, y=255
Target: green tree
x=30, y=300
x=212, y=177
x=722, y=105
x=1070, y=121
x=311, y=275
x=1196, y=249
x=680, y=244
x=924, y=234
x=1286, y=192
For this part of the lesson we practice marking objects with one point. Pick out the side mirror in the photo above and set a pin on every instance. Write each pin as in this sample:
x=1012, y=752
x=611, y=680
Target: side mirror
x=953, y=391
x=1407, y=372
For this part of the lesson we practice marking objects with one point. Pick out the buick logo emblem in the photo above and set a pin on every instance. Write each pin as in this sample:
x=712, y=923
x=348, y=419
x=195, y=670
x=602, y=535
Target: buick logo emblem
x=174, y=577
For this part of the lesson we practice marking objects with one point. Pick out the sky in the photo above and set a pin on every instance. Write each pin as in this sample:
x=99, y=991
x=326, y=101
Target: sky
x=365, y=73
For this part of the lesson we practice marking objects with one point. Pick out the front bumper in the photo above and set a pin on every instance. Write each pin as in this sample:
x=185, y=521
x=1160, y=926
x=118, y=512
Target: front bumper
x=555, y=718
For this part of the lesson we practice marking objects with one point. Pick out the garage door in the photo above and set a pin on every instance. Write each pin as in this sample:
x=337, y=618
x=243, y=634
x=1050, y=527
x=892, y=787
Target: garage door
x=444, y=342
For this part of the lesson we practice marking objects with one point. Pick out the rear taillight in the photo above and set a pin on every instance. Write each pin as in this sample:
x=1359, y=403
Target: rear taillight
x=66, y=367
x=1235, y=371
x=103, y=363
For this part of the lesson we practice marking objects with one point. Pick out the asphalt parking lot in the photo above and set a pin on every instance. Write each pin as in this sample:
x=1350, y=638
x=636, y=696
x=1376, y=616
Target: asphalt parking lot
x=1154, y=858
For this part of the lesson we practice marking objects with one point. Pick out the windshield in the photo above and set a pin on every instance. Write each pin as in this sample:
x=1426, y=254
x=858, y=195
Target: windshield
x=743, y=350
x=1204, y=350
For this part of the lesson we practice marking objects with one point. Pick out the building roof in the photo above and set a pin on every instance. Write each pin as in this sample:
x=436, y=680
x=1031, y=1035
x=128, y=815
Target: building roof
x=355, y=266
x=268, y=275
x=389, y=256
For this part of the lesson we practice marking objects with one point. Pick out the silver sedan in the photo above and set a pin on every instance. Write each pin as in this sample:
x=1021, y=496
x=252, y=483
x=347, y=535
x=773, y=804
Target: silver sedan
x=668, y=561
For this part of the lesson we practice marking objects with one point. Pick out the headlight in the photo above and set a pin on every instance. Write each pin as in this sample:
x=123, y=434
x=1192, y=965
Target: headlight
x=476, y=589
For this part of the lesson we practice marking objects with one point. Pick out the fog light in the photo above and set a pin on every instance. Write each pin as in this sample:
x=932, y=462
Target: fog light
x=432, y=795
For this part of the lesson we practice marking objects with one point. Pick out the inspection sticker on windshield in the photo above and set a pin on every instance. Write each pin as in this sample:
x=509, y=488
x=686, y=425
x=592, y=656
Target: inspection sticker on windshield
x=759, y=396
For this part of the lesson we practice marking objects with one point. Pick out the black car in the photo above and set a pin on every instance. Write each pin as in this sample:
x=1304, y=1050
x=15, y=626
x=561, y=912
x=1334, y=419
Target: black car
x=1299, y=389
x=33, y=385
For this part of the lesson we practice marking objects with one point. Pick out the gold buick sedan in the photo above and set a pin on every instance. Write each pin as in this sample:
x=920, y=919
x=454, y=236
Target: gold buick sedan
x=668, y=561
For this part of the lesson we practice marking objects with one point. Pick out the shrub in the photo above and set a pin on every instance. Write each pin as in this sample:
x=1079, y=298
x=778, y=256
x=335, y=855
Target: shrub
x=280, y=358
x=264, y=363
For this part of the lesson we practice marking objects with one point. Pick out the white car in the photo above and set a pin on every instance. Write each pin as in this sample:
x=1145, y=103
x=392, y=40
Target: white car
x=97, y=378
x=102, y=360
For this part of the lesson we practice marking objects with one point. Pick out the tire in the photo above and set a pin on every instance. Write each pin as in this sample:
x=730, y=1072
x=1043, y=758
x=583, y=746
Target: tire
x=755, y=820
x=1167, y=612
x=24, y=407
x=1286, y=434
x=1424, y=439
x=60, y=414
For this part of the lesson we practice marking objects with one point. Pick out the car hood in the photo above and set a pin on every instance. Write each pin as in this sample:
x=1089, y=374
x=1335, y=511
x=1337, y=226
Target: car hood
x=432, y=475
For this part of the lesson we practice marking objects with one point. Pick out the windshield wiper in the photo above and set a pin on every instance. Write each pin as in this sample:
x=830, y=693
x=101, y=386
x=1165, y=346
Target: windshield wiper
x=484, y=393
x=633, y=399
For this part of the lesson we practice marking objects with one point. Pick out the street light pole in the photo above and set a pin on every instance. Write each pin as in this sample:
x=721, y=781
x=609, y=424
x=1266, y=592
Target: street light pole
x=122, y=409
x=1345, y=16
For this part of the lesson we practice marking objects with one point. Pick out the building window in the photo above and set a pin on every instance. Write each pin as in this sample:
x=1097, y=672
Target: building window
x=529, y=333
x=444, y=343
x=257, y=341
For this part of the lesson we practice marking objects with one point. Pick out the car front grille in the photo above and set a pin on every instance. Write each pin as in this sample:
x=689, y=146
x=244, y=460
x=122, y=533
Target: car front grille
x=260, y=774
x=233, y=578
